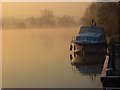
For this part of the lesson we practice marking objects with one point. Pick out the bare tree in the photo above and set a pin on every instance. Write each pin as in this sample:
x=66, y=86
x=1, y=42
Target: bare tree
x=47, y=18
x=105, y=14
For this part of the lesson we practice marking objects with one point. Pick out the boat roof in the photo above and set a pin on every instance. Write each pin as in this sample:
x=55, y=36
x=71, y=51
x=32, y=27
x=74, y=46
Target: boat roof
x=95, y=29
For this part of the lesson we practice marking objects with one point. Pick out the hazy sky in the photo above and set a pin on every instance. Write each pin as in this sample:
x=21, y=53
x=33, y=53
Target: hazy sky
x=25, y=9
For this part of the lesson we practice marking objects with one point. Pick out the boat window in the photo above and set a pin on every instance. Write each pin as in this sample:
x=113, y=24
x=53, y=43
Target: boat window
x=91, y=38
x=80, y=38
x=90, y=29
x=87, y=38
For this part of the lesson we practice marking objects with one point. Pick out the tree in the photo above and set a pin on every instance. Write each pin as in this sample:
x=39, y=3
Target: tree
x=105, y=15
x=47, y=18
x=31, y=21
x=66, y=21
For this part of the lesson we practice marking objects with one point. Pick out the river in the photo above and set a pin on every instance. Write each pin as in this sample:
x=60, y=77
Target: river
x=40, y=58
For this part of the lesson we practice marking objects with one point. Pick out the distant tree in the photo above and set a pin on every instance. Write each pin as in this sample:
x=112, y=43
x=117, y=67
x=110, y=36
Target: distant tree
x=20, y=25
x=0, y=24
x=47, y=18
x=66, y=21
x=31, y=21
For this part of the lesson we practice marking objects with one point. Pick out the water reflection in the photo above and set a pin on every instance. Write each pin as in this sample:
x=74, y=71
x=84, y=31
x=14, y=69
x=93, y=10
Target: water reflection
x=45, y=63
x=87, y=64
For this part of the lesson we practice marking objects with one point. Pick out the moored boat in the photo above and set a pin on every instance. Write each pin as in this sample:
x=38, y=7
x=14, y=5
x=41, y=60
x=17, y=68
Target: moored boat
x=90, y=39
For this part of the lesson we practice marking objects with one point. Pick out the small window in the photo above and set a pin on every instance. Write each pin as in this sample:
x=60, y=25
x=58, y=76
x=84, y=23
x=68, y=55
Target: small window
x=91, y=38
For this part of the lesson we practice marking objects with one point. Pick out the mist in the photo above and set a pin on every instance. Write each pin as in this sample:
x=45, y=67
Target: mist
x=42, y=15
x=45, y=20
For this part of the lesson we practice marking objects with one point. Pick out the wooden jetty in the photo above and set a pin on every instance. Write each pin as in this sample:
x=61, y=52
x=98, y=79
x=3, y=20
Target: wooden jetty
x=110, y=76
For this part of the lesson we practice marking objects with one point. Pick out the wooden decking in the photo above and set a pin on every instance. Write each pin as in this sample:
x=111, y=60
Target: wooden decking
x=104, y=70
x=118, y=63
x=110, y=76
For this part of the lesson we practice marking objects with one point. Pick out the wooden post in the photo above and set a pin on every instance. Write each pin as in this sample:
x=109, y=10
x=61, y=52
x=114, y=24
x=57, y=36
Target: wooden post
x=113, y=56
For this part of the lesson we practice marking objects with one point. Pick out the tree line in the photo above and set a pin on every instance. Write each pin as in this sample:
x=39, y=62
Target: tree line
x=47, y=19
x=105, y=14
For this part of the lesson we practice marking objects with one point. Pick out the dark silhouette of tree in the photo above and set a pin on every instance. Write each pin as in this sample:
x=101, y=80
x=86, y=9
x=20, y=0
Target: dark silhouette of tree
x=31, y=21
x=66, y=21
x=21, y=25
x=47, y=18
x=105, y=15
x=0, y=24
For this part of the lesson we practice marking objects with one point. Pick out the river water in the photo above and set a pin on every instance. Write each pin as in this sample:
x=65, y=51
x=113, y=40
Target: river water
x=40, y=58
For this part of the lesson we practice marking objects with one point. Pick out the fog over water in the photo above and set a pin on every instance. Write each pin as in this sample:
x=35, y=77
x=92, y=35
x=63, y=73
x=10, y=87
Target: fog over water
x=37, y=58
x=35, y=47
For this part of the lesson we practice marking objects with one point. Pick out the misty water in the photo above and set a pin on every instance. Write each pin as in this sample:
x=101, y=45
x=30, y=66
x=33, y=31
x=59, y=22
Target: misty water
x=40, y=58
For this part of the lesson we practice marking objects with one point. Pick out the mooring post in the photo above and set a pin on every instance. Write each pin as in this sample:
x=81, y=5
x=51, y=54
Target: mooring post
x=112, y=58
x=113, y=55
